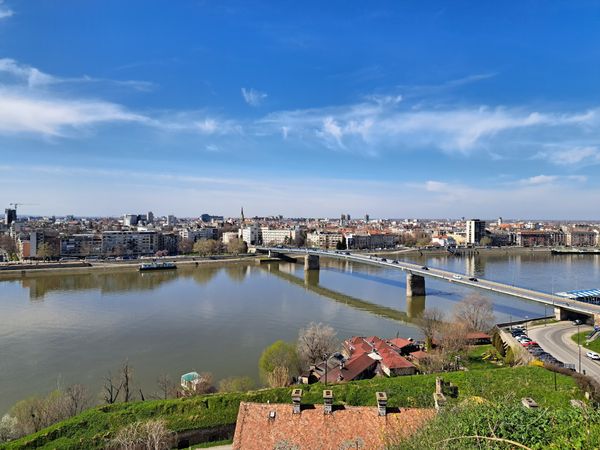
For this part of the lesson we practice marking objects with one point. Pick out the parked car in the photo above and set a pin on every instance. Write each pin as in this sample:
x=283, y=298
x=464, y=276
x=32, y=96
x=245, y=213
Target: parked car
x=516, y=333
x=577, y=322
x=528, y=343
x=395, y=261
x=425, y=268
x=457, y=277
x=473, y=279
x=593, y=355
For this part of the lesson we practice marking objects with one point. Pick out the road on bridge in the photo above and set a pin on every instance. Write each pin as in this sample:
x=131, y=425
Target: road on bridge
x=453, y=277
x=556, y=340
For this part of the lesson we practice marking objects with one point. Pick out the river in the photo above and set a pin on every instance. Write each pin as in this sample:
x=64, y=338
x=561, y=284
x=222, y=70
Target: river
x=60, y=329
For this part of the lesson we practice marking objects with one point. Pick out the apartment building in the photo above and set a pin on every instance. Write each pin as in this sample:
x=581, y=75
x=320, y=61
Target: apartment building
x=129, y=242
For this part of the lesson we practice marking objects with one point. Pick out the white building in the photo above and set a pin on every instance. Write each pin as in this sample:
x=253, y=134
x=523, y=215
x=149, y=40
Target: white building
x=251, y=235
x=278, y=236
x=475, y=231
x=199, y=233
x=129, y=242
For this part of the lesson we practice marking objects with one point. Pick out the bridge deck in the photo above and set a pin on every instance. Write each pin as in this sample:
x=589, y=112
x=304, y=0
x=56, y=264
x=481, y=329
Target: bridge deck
x=453, y=277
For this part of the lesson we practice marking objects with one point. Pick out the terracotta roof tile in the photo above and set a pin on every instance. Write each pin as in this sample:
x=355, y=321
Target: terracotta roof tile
x=314, y=430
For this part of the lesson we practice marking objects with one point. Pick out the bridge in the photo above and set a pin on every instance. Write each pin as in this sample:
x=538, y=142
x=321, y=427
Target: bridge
x=416, y=274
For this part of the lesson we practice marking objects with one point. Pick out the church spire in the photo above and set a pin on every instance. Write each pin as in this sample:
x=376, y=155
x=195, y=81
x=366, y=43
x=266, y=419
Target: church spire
x=242, y=214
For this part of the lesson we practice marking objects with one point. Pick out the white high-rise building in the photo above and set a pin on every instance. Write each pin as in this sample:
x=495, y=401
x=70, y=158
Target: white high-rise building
x=475, y=231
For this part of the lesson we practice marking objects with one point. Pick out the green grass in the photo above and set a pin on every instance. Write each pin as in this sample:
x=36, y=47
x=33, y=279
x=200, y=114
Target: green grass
x=94, y=427
x=478, y=358
x=593, y=346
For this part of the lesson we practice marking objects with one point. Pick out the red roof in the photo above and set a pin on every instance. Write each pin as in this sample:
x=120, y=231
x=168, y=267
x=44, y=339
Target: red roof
x=393, y=360
x=352, y=368
x=401, y=342
x=419, y=354
x=260, y=426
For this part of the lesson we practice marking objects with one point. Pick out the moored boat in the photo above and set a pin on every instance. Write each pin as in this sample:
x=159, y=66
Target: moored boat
x=157, y=266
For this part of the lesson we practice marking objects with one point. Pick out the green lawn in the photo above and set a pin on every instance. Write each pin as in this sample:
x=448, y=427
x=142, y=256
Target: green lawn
x=478, y=358
x=582, y=336
x=94, y=427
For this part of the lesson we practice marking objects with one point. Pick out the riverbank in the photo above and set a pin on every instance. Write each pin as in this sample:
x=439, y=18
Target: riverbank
x=18, y=271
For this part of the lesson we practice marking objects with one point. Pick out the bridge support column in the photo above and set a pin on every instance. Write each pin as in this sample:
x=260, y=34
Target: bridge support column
x=560, y=313
x=311, y=277
x=311, y=262
x=415, y=285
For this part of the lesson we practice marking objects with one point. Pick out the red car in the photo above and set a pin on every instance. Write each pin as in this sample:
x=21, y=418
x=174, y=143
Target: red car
x=527, y=344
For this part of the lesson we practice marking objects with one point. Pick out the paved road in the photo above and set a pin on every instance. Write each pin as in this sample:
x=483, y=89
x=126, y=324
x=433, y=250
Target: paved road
x=453, y=277
x=556, y=340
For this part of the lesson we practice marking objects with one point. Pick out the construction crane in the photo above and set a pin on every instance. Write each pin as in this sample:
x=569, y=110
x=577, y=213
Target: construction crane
x=26, y=204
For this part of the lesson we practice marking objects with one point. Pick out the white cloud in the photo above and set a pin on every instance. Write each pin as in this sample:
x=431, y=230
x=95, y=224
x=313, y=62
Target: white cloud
x=4, y=11
x=31, y=75
x=253, y=97
x=548, y=179
x=572, y=156
x=22, y=112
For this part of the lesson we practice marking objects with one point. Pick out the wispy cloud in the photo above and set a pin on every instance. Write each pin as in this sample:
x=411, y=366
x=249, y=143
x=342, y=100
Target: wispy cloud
x=5, y=12
x=36, y=78
x=253, y=97
x=22, y=112
x=548, y=179
x=571, y=156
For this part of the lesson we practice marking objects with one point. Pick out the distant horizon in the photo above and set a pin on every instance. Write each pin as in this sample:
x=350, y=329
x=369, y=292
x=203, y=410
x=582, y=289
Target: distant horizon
x=407, y=108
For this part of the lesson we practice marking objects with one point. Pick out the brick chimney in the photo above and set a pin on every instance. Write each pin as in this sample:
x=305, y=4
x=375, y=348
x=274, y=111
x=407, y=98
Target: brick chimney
x=327, y=401
x=381, y=403
x=296, y=398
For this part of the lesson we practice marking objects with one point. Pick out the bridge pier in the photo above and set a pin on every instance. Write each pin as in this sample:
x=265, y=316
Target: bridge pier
x=560, y=313
x=415, y=285
x=415, y=306
x=311, y=262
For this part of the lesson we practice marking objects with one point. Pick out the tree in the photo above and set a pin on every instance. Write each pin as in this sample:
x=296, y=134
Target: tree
x=236, y=384
x=126, y=377
x=341, y=245
x=185, y=246
x=237, y=246
x=430, y=323
x=476, y=312
x=44, y=251
x=486, y=240
x=314, y=342
x=8, y=244
x=279, y=355
x=111, y=389
x=150, y=435
x=167, y=388
x=205, y=384
x=207, y=247
x=76, y=399
x=8, y=428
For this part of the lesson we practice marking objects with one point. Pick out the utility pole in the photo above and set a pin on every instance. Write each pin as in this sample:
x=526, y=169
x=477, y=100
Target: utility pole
x=579, y=345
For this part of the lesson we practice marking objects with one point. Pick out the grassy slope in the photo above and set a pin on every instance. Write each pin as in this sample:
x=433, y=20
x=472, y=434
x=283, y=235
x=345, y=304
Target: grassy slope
x=91, y=428
x=593, y=346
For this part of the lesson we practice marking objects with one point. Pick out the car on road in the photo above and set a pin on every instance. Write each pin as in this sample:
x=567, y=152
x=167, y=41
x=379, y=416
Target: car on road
x=528, y=343
x=473, y=279
x=457, y=277
x=516, y=333
x=593, y=355
x=425, y=268
x=395, y=261
x=577, y=322
x=383, y=260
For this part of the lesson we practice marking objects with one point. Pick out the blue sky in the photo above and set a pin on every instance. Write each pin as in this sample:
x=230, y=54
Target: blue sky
x=396, y=109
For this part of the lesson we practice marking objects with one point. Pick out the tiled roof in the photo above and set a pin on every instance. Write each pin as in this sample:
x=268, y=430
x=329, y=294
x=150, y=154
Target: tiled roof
x=346, y=427
x=393, y=360
x=352, y=368
x=401, y=342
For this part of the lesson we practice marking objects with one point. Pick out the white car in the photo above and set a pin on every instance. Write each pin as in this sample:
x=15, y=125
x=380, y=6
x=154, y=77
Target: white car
x=457, y=277
x=593, y=355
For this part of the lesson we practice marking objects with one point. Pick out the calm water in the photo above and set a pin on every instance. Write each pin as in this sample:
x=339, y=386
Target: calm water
x=63, y=329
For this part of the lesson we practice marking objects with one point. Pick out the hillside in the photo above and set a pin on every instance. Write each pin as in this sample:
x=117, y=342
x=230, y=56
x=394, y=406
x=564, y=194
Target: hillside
x=94, y=427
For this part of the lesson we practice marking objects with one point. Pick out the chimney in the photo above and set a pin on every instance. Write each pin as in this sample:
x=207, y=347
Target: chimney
x=296, y=398
x=381, y=403
x=328, y=401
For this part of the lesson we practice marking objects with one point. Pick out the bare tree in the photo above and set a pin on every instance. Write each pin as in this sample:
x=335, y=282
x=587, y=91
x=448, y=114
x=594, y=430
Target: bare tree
x=237, y=246
x=453, y=340
x=185, y=246
x=314, y=342
x=76, y=399
x=126, y=377
x=166, y=387
x=111, y=389
x=476, y=312
x=151, y=435
x=205, y=384
x=207, y=247
x=430, y=323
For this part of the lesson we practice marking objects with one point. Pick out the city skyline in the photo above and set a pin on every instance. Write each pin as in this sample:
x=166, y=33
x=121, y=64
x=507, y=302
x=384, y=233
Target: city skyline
x=396, y=111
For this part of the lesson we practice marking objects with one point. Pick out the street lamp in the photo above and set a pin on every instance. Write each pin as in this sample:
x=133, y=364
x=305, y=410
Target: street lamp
x=579, y=345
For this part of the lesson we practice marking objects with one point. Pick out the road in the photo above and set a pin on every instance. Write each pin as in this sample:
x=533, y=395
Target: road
x=556, y=340
x=453, y=277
